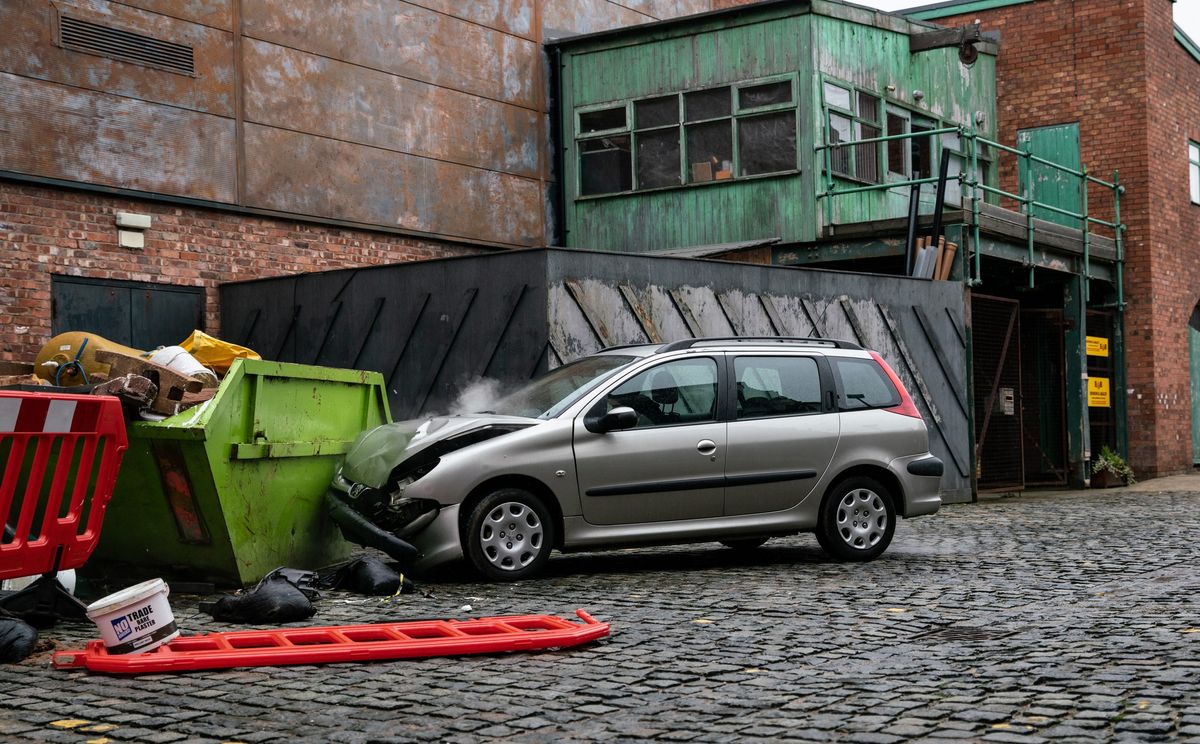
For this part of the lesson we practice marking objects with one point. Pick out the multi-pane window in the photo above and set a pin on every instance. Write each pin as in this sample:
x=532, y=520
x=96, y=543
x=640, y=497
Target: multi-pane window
x=1194, y=170
x=604, y=151
x=853, y=115
x=714, y=134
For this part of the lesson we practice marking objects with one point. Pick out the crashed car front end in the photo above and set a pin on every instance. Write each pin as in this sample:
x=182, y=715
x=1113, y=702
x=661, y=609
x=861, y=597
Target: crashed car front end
x=369, y=499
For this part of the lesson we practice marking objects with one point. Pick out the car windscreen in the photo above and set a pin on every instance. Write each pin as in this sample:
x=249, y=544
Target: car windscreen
x=554, y=392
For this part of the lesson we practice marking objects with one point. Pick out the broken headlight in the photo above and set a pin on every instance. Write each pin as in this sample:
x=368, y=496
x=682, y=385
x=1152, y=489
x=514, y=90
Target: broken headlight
x=390, y=509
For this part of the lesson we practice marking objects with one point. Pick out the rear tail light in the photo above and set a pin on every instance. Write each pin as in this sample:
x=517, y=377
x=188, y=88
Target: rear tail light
x=906, y=407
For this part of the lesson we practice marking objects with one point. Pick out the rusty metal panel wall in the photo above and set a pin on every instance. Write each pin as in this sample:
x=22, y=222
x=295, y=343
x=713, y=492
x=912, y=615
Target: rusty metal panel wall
x=294, y=172
x=29, y=50
x=404, y=39
x=589, y=16
x=432, y=327
x=317, y=95
x=215, y=13
x=424, y=115
x=516, y=17
x=99, y=138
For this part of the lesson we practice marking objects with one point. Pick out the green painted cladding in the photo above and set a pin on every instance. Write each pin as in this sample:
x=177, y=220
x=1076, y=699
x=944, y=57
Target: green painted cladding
x=1053, y=186
x=851, y=45
x=875, y=58
x=702, y=60
x=699, y=214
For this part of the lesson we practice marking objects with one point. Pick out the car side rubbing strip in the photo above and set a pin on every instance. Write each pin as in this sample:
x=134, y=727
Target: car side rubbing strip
x=689, y=484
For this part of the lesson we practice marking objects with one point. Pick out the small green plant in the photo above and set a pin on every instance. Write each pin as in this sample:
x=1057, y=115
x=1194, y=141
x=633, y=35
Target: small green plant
x=1110, y=461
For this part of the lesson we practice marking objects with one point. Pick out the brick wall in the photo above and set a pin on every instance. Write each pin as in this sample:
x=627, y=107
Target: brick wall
x=1114, y=67
x=46, y=231
x=1171, y=290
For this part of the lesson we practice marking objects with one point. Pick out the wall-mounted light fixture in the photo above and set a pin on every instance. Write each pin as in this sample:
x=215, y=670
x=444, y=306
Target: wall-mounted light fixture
x=131, y=229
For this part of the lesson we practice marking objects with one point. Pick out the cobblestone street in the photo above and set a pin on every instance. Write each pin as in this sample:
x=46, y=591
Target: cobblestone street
x=1063, y=617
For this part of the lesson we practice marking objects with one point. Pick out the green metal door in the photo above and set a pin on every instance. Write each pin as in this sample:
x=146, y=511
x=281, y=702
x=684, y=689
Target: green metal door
x=1051, y=186
x=1194, y=349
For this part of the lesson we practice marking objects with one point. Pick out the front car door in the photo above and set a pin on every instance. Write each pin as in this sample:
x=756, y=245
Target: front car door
x=783, y=432
x=669, y=466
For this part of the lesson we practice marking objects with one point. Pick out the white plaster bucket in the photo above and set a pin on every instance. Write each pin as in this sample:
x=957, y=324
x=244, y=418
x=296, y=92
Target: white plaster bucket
x=136, y=619
x=178, y=359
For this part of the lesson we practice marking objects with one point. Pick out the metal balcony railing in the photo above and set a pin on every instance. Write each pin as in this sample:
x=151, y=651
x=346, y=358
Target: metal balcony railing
x=970, y=181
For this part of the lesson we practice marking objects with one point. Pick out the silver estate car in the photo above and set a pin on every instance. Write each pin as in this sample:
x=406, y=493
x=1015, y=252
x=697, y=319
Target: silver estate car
x=735, y=440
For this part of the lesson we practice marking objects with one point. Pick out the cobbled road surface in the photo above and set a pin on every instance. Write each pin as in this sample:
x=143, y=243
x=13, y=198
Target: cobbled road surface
x=1061, y=617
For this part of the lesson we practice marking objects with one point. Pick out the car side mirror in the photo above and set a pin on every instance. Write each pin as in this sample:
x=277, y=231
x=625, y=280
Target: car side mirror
x=621, y=417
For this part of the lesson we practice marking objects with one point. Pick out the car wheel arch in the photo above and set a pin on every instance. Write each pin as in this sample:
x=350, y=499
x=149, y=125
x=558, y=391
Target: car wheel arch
x=523, y=482
x=882, y=475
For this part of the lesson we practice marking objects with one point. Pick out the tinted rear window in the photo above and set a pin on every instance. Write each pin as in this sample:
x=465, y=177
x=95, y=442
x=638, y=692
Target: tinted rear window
x=863, y=384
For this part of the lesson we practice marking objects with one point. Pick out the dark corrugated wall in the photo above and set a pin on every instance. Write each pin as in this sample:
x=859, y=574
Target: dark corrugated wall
x=433, y=327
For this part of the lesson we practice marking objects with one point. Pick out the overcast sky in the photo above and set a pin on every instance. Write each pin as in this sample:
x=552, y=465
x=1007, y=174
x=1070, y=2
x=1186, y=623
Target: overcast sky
x=1187, y=12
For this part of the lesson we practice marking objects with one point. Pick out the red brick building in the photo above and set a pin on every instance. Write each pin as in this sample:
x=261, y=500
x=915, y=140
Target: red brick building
x=1129, y=78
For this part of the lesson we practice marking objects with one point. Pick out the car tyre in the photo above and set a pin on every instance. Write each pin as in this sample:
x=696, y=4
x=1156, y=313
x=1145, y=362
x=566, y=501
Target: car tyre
x=745, y=545
x=508, y=536
x=857, y=520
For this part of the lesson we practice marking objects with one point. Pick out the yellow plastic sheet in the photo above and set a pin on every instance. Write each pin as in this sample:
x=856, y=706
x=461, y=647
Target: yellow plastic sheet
x=214, y=353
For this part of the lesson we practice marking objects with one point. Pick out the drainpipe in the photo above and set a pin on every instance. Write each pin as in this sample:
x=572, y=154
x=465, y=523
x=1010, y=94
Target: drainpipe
x=558, y=193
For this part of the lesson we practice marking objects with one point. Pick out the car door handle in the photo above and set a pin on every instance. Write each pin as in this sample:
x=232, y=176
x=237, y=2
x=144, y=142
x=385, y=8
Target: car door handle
x=706, y=447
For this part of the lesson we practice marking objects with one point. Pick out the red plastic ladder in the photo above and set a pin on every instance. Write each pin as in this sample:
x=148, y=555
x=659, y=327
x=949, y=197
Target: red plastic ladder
x=404, y=640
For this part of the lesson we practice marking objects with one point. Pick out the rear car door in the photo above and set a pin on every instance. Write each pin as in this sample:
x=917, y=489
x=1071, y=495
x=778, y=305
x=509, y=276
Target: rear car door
x=783, y=431
x=669, y=466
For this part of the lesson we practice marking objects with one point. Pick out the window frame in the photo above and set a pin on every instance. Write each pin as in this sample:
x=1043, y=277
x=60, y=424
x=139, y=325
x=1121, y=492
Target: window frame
x=840, y=390
x=581, y=137
x=599, y=406
x=856, y=123
x=824, y=378
x=1193, y=165
x=737, y=114
x=909, y=115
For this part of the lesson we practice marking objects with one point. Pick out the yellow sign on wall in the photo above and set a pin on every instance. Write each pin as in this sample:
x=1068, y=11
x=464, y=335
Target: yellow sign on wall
x=1097, y=346
x=1098, y=392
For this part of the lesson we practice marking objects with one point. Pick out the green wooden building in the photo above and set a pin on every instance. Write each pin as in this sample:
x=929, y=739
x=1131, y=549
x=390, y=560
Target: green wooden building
x=793, y=132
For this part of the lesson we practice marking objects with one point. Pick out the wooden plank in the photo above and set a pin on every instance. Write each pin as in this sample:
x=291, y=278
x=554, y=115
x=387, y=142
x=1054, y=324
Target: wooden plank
x=956, y=385
x=810, y=312
x=686, y=313
x=922, y=389
x=594, y=320
x=641, y=312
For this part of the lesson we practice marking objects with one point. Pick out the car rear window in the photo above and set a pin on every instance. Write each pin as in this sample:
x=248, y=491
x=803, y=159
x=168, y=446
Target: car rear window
x=863, y=384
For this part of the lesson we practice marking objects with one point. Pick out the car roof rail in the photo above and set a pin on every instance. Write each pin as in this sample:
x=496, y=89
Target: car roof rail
x=626, y=346
x=688, y=343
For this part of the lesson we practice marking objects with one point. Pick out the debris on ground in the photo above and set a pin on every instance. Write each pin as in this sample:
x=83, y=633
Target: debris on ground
x=273, y=600
x=370, y=576
x=17, y=639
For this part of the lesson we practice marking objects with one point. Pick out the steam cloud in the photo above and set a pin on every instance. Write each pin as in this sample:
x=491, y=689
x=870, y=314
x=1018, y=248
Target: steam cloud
x=480, y=395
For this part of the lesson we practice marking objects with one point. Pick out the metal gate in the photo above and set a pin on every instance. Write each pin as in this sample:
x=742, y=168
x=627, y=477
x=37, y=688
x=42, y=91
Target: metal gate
x=999, y=453
x=1043, y=400
x=137, y=314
